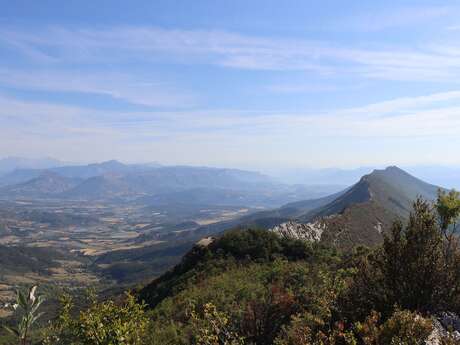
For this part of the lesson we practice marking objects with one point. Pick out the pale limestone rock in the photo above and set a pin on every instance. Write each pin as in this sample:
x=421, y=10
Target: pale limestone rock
x=309, y=232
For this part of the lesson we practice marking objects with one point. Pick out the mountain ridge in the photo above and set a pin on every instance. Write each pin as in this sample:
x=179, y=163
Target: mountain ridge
x=153, y=185
x=359, y=214
x=364, y=212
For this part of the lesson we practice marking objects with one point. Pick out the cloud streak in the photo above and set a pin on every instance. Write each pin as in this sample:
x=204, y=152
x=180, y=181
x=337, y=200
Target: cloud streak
x=116, y=85
x=149, y=44
x=431, y=115
x=227, y=136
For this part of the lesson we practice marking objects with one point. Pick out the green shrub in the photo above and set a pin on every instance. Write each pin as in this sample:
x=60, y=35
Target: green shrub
x=212, y=327
x=415, y=269
x=402, y=328
x=104, y=323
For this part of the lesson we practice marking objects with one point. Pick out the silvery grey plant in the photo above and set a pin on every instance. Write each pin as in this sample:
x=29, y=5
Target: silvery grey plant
x=28, y=306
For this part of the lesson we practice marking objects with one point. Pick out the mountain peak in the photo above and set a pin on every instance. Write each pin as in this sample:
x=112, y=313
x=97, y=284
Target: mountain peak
x=389, y=169
x=112, y=163
x=393, y=168
x=390, y=174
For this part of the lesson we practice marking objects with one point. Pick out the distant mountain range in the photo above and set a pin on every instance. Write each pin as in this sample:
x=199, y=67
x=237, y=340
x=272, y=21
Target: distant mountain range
x=9, y=164
x=46, y=184
x=154, y=185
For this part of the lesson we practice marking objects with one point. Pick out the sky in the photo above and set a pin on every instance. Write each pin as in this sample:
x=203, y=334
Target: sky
x=248, y=84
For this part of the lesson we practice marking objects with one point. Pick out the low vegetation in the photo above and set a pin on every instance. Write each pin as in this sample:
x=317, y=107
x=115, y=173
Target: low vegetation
x=254, y=287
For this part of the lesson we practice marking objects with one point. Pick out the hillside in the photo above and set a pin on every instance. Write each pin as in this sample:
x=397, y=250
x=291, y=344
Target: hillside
x=255, y=287
x=107, y=186
x=367, y=209
x=242, y=245
x=266, y=289
x=46, y=184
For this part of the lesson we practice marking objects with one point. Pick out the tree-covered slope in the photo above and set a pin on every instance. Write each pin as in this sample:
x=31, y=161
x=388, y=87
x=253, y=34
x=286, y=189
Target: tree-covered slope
x=237, y=246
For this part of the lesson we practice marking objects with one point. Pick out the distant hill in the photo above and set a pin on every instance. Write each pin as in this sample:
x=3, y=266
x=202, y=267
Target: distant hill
x=19, y=176
x=155, y=185
x=72, y=171
x=96, y=169
x=46, y=184
x=174, y=184
x=107, y=186
x=9, y=164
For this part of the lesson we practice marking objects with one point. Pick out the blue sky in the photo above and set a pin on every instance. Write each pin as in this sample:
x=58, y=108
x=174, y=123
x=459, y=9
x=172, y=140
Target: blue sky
x=251, y=84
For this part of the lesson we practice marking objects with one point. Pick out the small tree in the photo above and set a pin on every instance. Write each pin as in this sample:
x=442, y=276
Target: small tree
x=417, y=268
x=412, y=261
x=28, y=307
x=448, y=208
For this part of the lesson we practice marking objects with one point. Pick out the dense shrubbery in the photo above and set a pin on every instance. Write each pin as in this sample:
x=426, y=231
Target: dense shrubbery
x=233, y=249
x=105, y=323
x=417, y=268
x=258, y=299
x=274, y=291
x=253, y=287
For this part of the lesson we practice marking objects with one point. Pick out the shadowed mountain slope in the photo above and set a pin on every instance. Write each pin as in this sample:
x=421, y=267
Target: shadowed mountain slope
x=367, y=209
x=392, y=188
x=357, y=215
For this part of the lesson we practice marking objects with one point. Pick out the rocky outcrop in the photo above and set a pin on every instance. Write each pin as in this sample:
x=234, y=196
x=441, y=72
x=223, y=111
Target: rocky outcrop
x=307, y=232
x=446, y=325
x=204, y=242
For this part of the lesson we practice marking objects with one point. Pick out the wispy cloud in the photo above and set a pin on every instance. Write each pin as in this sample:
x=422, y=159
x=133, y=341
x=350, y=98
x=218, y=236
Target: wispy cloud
x=431, y=115
x=431, y=61
x=185, y=130
x=224, y=136
x=391, y=17
x=136, y=90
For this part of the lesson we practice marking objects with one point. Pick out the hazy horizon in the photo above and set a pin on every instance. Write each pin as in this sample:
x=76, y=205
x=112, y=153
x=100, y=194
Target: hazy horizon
x=442, y=175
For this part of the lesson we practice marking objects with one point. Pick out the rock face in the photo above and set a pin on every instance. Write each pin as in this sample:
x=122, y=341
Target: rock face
x=308, y=232
x=204, y=242
x=445, y=325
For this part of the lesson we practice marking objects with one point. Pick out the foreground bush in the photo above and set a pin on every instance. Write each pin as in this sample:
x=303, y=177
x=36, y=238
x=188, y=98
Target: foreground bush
x=417, y=268
x=104, y=323
x=403, y=328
